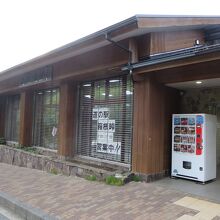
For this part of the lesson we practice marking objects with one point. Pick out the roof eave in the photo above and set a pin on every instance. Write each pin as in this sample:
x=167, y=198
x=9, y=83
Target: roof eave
x=119, y=31
x=94, y=41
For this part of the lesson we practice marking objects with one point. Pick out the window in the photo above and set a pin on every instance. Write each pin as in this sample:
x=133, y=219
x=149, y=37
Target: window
x=46, y=115
x=105, y=119
x=12, y=119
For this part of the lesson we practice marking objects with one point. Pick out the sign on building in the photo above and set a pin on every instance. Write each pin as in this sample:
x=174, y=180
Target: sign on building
x=105, y=132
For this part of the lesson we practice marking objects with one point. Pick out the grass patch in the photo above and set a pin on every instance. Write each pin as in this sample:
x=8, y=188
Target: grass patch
x=91, y=178
x=112, y=180
x=54, y=171
x=28, y=149
x=135, y=178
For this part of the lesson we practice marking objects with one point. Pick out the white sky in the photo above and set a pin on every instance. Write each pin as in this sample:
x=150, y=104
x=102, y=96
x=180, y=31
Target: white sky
x=29, y=28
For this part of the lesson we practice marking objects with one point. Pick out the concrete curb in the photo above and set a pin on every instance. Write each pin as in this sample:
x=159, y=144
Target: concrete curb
x=24, y=211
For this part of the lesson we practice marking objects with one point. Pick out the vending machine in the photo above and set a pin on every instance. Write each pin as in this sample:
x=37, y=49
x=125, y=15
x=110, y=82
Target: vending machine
x=194, y=146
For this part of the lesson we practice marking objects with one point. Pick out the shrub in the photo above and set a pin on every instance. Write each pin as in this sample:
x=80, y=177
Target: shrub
x=135, y=178
x=54, y=171
x=28, y=149
x=2, y=141
x=112, y=180
x=91, y=178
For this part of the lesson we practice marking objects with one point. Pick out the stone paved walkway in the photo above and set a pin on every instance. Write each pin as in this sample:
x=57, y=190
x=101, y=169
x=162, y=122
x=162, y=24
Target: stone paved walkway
x=76, y=198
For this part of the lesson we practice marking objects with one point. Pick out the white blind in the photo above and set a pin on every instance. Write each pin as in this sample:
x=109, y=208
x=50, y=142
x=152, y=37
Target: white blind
x=46, y=116
x=12, y=119
x=105, y=119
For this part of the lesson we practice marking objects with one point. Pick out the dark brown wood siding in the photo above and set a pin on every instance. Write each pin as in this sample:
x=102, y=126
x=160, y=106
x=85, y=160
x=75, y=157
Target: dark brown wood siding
x=174, y=40
x=26, y=114
x=67, y=119
x=153, y=108
x=2, y=116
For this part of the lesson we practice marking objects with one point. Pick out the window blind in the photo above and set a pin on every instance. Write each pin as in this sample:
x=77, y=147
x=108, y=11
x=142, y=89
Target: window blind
x=46, y=116
x=12, y=119
x=105, y=119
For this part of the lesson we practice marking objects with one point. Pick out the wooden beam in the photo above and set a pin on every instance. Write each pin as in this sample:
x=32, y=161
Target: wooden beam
x=175, y=22
x=206, y=70
x=214, y=56
x=67, y=120
x=26, y=118
x=133, y=47
x=140, y=141
x=153, y=108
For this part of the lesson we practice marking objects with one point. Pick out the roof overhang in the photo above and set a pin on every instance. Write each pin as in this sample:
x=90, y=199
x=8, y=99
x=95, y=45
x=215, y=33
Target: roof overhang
x=134, y=26
x=183, y=68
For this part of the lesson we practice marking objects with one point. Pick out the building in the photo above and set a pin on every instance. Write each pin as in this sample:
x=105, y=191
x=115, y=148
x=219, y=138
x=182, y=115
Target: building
x=110, y=96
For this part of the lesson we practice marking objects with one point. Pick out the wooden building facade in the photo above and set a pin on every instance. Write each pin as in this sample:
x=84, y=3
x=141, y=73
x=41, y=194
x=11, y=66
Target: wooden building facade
x=106, y=96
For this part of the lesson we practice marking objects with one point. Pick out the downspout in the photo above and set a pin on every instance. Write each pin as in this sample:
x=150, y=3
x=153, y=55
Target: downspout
x=129, y=65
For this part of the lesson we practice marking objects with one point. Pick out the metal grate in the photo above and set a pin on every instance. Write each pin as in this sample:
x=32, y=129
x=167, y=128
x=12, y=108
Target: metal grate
x=12, y=119
x=46, y=115
x=105, y=119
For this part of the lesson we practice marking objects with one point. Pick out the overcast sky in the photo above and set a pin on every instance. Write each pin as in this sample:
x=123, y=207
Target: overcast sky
x=29, y=28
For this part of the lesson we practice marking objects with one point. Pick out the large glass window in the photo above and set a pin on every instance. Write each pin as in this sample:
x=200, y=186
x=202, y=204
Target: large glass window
x=46, y=116
x=12, y=119
x=105, y=119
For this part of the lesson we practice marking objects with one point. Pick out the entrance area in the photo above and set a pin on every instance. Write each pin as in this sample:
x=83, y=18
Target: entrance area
x=210, y=190
x=201, y=96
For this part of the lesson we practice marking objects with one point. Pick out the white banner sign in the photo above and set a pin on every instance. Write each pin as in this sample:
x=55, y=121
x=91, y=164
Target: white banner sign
x=54, y=131
x=100, y=113
x=104, y=137
x=106, y=125
x=105, y=132
x=110, y=148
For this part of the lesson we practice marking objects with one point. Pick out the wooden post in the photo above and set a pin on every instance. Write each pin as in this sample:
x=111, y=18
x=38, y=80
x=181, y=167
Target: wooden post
x=2, y=116
x=26, y=118
x=133, y=47
x=67, y=120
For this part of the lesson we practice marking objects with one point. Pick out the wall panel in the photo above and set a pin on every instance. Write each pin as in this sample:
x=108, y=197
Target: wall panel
x=168, y=41
x=153, y=108
x=67, y=119
x=26, y=107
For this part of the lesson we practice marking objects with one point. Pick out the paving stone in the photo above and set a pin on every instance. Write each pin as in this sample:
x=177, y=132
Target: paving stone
x=70, y=197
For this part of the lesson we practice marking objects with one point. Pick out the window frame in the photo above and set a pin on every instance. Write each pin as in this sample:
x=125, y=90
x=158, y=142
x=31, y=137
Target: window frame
x=107, y=101
x=38, y=131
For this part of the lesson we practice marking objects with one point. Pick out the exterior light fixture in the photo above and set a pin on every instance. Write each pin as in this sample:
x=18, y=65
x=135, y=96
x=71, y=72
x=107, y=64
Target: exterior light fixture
x=88, y=96
x=129, y=92
x=198, y=82
x=197, y=43
x=86, y=85
x=114, y=80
